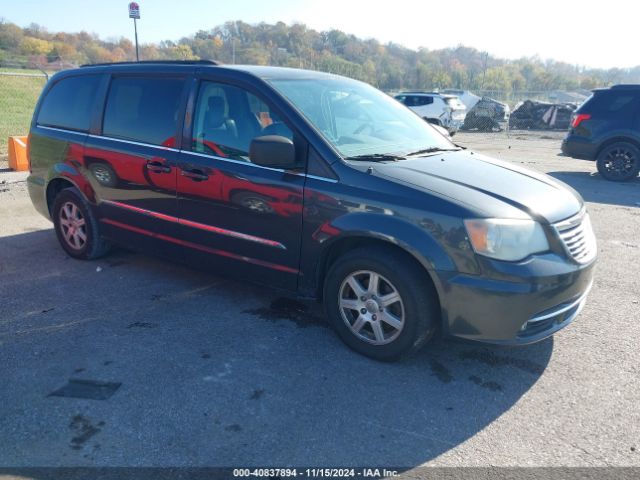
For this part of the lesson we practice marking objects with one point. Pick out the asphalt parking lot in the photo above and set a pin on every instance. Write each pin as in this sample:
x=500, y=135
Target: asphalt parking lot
x=189, y=369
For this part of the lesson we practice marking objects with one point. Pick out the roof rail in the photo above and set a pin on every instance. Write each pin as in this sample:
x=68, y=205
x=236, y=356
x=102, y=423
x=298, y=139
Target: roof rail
x=627, y=86
x=155, y=62
x=426, y=92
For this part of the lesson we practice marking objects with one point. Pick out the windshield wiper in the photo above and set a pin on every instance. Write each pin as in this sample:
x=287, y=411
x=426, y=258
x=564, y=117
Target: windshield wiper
x=432, y=150
x=377, y=157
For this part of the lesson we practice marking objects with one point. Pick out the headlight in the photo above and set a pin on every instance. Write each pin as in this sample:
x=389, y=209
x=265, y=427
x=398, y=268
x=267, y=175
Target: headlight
x=506, y=239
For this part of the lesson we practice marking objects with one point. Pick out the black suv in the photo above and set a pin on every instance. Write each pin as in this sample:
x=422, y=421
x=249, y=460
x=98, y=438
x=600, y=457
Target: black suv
x=606, y=128
x=314, y=183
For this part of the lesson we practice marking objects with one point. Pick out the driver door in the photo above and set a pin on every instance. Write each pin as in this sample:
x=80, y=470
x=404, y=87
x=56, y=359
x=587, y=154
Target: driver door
x=237, y=217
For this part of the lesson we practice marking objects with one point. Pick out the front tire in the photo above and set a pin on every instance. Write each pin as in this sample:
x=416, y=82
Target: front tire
x=76, y=226
x=381, y=303
x=619, y=162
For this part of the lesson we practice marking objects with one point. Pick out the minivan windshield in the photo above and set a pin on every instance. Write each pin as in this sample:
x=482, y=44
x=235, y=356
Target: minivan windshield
x=360, y=121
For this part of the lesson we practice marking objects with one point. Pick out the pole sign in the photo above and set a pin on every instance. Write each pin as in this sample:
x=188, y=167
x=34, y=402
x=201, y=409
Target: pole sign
x=134, y=10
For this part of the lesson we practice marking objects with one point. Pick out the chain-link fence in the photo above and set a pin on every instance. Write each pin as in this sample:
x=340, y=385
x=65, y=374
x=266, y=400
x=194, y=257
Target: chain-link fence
x=527, y=110
x=19, y=92
x=490, y=111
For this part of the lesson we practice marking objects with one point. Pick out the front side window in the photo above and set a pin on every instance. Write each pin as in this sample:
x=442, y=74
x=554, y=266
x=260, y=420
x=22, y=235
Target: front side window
x=228, y=118
x=359, y=120
x=69, y=103
x=144, y=109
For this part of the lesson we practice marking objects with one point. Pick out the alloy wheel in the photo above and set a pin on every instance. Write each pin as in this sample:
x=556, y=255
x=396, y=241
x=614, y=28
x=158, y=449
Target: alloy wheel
x=620, y=162
x=371, y=306
x=73, y=226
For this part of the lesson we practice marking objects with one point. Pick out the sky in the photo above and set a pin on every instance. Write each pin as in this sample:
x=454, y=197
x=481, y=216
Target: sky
x=591, y=34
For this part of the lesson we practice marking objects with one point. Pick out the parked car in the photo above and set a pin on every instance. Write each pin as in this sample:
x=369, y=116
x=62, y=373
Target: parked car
x=346, y=196
x=444, y=110
x=486, y=115
x=606, y=128
x=535, y=115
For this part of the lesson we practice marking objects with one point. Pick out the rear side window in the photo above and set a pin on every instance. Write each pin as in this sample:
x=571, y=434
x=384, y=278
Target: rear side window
x=69, y=103
x=420, y=101
x=143, y=109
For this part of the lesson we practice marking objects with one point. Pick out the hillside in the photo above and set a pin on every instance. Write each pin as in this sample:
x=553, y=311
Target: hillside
x=388, y=66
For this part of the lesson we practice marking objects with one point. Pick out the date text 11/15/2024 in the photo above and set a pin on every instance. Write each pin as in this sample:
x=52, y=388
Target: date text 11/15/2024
x=314, y=472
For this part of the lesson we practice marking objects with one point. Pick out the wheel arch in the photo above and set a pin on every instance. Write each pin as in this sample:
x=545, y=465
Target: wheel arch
x=617, y=139
x=352, y=242
x=64, y=175
x=406, y=238
x=54, y=187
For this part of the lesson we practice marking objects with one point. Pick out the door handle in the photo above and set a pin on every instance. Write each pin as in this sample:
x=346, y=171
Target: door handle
x=155, y=166
x=194, y=174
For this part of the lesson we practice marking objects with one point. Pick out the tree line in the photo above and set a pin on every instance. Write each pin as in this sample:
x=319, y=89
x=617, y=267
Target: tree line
x=388, y=66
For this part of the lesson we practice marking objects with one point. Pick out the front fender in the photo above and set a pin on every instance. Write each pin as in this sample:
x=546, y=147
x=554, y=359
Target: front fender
x=410, y=237
x=438, y=243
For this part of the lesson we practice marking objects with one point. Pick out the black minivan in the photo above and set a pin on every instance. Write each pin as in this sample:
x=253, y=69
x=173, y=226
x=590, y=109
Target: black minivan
x=314, y=183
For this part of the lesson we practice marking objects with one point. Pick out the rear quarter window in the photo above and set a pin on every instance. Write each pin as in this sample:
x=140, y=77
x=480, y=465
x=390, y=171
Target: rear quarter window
x=69, y=103
x=610, y=102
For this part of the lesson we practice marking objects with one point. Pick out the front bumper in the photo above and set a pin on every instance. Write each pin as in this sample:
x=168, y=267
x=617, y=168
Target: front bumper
x=550, y=321
x=549, y=297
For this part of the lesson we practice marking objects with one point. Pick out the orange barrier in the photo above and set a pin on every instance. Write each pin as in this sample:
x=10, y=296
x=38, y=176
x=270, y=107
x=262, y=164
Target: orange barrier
x=18, y=154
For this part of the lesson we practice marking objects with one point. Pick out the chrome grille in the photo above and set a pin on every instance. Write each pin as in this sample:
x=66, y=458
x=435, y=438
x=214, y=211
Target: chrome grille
x=578, y=238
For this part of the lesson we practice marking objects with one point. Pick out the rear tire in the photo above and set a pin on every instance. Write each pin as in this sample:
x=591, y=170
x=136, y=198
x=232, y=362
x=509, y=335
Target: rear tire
x=77, y=227
x=389, y=319
x=619, y=162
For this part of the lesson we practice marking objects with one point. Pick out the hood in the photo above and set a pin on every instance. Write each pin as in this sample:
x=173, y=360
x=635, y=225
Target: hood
x=491, y=187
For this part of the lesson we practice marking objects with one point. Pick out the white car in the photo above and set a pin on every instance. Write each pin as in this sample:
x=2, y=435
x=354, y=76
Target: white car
x=437, y=108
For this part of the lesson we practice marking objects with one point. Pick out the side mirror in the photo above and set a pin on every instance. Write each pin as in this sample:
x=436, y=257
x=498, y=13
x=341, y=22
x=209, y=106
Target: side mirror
x=272, y=151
